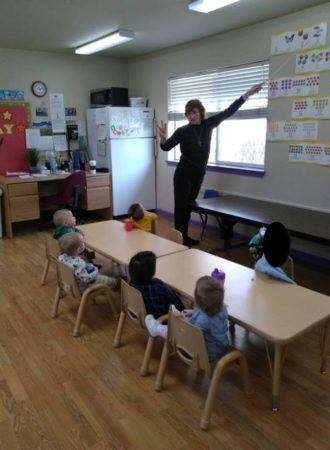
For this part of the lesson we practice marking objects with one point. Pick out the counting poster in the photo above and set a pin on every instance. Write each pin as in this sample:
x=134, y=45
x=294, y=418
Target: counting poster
x=14, y=119
x=294, y=86
x=314, y=60
x=303, y=38
x=310, y=153
x=317, y=107
x=292, y=131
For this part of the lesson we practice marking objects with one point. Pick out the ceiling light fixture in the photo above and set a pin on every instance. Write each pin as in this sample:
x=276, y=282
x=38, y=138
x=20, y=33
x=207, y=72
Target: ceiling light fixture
x=116, y=38
x=205, y=6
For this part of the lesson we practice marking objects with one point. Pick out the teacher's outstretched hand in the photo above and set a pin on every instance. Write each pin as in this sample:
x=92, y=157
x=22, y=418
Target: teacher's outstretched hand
x=254, y=90
x=162, y=131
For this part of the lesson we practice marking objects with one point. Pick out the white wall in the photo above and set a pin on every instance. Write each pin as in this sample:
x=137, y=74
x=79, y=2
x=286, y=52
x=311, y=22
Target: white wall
x=72, y=75
x=297, y=184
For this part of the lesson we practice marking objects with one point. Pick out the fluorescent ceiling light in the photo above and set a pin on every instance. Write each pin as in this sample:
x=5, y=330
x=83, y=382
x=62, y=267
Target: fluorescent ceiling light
x=205, y=6
x=116, y=38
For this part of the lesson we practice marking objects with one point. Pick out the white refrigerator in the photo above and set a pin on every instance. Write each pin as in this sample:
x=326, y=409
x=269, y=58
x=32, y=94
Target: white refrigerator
x=122, y=140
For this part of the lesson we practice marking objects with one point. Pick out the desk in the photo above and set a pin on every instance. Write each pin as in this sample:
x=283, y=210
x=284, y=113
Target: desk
x=110, y=239
x=276, y=311
x=22, y=196
x=303, y=223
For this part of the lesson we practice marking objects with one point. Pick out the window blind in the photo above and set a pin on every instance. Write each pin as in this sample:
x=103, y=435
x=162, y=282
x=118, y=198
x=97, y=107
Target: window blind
x=218, y=88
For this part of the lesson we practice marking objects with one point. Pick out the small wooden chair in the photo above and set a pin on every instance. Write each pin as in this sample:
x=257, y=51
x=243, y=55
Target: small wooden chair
x=52, y=253
x=132, y=306
x=175, y=236
x=187, y=342
x=67, y=284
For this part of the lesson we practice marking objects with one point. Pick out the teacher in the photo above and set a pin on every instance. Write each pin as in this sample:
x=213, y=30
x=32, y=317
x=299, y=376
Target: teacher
x=195, y=140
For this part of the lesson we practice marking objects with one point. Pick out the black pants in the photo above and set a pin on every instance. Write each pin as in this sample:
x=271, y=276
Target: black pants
x=187, y=183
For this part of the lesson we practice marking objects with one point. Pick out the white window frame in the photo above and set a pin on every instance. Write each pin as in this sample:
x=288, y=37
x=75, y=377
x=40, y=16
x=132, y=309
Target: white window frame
x=242, y=114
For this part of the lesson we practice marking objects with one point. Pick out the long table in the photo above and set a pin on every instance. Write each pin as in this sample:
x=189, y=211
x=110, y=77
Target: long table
x=110, y=239
x=303, y=223
x=277, y=311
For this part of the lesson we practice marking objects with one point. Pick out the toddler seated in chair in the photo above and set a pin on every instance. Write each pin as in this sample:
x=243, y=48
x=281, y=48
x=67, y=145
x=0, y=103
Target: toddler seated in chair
x=142, y=219
x=65, y=222
x=72, y=246
x=156, y=294
x=210, y=315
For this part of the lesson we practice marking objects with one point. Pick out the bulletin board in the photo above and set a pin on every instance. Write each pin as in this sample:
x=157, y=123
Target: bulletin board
x=15, y=117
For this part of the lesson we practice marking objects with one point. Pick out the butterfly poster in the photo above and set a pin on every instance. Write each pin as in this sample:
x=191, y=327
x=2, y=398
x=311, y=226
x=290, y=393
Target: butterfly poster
x=310, y=108
x=303, y=38
x=313, y=60
x=292, y=131
x=310, y=153
x=294, y=86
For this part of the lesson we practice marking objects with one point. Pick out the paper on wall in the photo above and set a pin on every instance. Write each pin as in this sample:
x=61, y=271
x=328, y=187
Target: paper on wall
x=294, y=86
x=292, y=131
x=46, y=143
x=101, y=132
x=60, y=142
x=32, y=137
x=313, y=60
x=57, y=113
x=303, y=38
x=311, y=153
x=317, y=107
x=81, y=128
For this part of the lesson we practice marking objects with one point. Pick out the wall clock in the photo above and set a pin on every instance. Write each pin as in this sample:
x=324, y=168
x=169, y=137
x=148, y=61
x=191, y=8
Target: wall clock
x=39, y=89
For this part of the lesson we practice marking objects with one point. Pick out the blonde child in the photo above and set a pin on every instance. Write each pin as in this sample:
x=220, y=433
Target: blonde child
x=210, y=315
x=142, y=219
x=72, y=246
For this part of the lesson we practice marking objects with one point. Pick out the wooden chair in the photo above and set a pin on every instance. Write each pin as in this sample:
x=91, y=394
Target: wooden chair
x=52, y=253
x=132, y=306
x=175, y=236
x=67, y=284
x=288, y=267
x=187, y=342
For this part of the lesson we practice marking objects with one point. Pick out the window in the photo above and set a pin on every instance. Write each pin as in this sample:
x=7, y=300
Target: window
x=240, y=140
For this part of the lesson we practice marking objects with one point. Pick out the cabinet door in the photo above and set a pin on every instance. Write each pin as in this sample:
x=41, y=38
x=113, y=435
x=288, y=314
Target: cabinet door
x=24, y=208
x=96, y=198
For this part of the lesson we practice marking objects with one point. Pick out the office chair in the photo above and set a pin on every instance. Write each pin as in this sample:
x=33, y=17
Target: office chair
x=69, y=190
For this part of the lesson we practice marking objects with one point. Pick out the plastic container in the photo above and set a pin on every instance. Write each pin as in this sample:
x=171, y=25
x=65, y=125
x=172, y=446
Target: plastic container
x=128, y=224
x=138, y=102
x=92, y=166
x=218, y=274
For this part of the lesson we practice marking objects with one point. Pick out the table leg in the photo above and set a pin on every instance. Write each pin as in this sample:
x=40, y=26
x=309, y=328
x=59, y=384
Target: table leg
x=276, y=376
x=324, y=344
x=204, y=223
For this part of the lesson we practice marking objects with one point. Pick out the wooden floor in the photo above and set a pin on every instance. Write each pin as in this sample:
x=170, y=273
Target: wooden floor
x=60, y=392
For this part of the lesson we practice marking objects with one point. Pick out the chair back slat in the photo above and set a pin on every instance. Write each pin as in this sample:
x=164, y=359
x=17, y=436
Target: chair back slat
x=187, y=342
x=52, y=249
x=132, y=300
x=67, y=280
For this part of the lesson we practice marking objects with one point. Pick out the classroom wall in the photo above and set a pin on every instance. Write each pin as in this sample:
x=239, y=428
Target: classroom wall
x=72, y=75
x=297, y=184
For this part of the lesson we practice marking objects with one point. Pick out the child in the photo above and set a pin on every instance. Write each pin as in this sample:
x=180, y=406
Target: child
x=65, y=222
x=210, y=315
x=156, y=294
x=144, y=220
x=72, y=245
x=255, y=244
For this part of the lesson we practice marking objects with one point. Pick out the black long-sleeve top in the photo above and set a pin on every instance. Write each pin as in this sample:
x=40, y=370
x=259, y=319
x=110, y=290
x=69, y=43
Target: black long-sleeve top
x=195, y=140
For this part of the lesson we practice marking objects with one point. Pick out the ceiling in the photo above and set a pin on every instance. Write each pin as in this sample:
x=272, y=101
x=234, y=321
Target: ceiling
x=62, y=25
